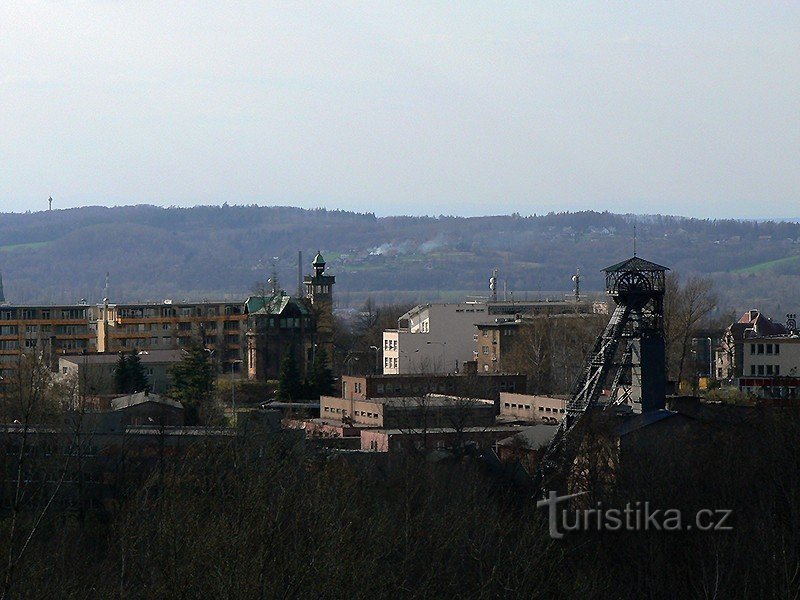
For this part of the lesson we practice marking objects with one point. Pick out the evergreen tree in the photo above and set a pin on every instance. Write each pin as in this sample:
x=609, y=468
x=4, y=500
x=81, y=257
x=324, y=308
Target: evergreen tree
x=320, y=380
x=193, y=382
x=121, y=375
x=137, y=375
x=129, y=374
x=290, y=387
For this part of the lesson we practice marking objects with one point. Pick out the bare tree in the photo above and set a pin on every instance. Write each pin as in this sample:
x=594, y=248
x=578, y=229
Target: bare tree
x=687, y=306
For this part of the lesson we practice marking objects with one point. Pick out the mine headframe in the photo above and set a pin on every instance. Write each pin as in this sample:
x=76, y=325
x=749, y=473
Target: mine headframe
x=630, y=349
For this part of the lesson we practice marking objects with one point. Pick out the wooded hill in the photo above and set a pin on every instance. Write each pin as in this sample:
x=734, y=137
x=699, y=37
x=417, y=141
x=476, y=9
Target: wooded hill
x=221, y=252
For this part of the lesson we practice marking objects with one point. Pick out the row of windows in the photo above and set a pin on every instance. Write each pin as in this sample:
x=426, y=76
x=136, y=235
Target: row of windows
x=528, y=407
x=389, y=362
x=513, y=405
x=390, y=344
x=139, y=312
x=45, y=314
x=765, y=369
x=765, y=348
x=343, y=411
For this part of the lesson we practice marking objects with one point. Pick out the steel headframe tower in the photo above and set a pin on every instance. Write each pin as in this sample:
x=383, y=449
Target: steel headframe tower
x=631, y=347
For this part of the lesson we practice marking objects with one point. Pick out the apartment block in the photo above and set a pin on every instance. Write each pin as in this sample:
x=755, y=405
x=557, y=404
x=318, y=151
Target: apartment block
x=52, y=330
x=218, y=326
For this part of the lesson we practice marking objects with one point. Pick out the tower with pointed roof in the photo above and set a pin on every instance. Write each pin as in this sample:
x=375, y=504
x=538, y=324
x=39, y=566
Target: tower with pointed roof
x=319, y=293
x=279, y=323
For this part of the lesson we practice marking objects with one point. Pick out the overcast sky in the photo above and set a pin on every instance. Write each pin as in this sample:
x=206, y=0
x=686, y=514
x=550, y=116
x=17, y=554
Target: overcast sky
x=465, y=108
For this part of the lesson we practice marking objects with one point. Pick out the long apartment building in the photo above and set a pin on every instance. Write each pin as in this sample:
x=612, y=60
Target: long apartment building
x=219, y=326
x=59, y=330
x=53, y=330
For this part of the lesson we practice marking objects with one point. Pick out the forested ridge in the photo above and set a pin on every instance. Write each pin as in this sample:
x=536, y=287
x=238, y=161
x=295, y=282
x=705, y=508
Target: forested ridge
x=214, y=252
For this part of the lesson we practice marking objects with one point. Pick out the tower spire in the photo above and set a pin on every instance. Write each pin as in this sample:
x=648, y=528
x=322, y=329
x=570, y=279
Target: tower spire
x=2, y=296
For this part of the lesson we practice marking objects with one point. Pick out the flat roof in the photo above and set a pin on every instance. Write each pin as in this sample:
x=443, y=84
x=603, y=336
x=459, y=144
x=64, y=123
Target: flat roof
x=145, y=356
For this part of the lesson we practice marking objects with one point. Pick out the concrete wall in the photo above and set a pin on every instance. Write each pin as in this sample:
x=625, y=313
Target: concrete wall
x=536, y=409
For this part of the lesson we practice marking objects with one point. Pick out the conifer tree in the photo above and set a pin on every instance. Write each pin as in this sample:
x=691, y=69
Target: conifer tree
x=320, y=380
x=193, y=382
x=290, y=386
x=129, y=374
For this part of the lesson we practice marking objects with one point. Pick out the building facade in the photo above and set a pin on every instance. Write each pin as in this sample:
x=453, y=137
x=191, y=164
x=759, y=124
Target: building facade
x=473, y=385
x=278, y=323
x=432, y=338
x=771, y=367
x=729, y=360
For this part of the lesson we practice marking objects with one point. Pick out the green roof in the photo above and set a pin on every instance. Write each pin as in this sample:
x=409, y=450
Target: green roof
x=272, y=305
x=318, y=260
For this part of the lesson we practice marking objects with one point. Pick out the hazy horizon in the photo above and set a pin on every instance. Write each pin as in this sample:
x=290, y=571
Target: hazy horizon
x=469, y=109
x=788, y=219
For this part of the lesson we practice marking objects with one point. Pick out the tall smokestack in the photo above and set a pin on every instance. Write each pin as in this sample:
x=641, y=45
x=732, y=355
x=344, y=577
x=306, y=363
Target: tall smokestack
x=299, y=273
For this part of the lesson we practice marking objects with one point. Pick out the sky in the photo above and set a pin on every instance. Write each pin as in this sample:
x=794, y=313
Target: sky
x=462, y=108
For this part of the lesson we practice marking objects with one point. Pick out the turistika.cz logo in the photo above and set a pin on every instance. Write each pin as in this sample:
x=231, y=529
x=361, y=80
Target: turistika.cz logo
x=636, y=516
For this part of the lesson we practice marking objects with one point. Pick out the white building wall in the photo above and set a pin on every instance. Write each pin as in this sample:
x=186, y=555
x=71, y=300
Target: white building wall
x=768, y=357
x=438, y=339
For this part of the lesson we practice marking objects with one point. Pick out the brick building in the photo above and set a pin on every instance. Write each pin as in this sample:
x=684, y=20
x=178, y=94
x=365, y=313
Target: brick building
x=278, y=323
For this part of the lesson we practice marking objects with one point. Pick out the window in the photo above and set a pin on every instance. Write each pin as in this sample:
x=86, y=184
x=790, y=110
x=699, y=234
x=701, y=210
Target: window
x=752, y=369
x=395, y=363
x=507, y=405
x=485, y=349
x=777, y=348
x=769, y=348
x=760, y=348
x=760, y=369
x=769, y=369
x=541, y=409
x=28, y=314
x=777, y=369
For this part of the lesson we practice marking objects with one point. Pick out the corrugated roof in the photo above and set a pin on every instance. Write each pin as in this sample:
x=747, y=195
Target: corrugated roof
x=533, y=437
x=141, y=398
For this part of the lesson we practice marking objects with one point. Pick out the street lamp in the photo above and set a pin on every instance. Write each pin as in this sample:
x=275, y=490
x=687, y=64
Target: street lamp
x=376, y=357
x=409, y=358
x=442, y=344
x=348, y=362
x=233, y=391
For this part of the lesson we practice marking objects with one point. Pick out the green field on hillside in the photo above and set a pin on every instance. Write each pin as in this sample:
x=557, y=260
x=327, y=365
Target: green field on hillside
x=23, y=246
x=753, y=269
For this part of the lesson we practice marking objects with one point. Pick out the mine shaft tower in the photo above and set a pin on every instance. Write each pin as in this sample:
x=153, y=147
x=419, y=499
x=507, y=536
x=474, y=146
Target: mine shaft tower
x=631, y=349
x=637, y=323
